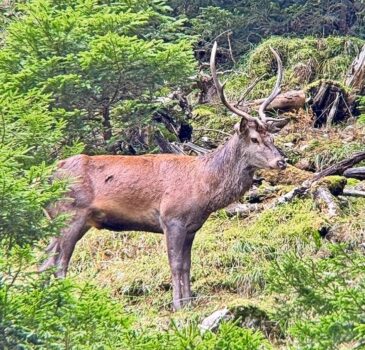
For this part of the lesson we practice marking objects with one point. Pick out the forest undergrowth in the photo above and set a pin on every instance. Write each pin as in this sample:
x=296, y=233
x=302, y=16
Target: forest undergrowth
x=129, y=77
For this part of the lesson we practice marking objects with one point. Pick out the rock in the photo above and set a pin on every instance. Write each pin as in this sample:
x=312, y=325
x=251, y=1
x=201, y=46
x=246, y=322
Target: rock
x=246, y=316
x=253, y=317
x=212, y=322
x=304, y=164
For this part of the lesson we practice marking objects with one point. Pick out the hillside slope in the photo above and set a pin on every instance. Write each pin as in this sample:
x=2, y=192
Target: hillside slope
x=291, y=271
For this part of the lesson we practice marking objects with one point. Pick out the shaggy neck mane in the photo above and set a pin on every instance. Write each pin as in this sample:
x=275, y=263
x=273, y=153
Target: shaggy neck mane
x=228, y=171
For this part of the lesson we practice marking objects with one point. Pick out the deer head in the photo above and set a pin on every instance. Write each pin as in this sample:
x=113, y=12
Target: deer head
x=254, y=134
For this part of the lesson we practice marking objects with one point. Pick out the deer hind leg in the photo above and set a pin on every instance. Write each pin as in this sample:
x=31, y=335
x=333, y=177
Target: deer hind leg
x=61, y=248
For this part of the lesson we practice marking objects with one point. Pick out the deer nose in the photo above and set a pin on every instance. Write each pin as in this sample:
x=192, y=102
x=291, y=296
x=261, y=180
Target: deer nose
x=281, y=164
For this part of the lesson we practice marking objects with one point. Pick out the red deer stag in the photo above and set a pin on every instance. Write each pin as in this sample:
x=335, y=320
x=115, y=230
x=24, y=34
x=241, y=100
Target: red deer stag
x=170, y=194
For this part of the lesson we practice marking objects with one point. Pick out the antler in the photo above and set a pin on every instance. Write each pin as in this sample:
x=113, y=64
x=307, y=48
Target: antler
x=275, y=92
x=220, y=90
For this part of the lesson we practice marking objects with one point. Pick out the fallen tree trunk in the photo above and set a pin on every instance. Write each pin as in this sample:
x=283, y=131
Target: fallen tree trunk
x=328, y=100
x=289, y=100
x=340, y=167
x=356, y=173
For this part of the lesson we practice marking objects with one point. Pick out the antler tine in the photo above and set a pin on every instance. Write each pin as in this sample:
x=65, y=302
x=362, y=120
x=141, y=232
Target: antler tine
x=276, y=90
x=220, y=89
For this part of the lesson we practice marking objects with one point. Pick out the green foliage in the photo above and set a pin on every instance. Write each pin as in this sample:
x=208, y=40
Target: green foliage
x=30, y=134
x=60, y=314
x=322, y=300
x=361, y=109
x=361, y=119
x=212, y=117
x=228, y=337
x=212, y=21
x=252, y=20
x=300, y=217
x=334, y=183
x=324, y=153
x=37, y=314
x=305, y=60
x=91, y=58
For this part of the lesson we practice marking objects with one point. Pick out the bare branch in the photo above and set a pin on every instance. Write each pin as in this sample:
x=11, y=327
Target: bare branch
x=230, y=46
x=353, y=193
x=219, y=35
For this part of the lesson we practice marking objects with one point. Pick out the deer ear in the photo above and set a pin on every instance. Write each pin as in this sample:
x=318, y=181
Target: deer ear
x=241, y=127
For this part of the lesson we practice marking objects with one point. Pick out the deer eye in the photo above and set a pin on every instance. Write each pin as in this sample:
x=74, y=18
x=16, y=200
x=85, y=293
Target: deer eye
x=255, y=140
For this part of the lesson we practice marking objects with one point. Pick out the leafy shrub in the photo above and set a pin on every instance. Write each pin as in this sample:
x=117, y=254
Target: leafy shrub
x=91, y=57
x=30, y=134
x=321, y=301
x=36, y=313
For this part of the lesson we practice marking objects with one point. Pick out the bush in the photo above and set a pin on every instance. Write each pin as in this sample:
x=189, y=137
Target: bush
x=91, y=58
x=305, y=60
x=321, y=302
x=36, y=313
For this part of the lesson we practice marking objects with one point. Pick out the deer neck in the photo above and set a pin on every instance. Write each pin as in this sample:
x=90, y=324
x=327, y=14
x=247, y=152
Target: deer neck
x=228, y=172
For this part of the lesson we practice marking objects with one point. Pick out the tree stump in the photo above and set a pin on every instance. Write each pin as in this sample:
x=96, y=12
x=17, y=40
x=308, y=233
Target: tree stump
x=356, y=73
x=329, y=103
x=207, y=89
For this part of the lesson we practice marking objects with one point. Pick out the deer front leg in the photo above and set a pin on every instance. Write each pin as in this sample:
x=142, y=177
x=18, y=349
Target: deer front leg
x=186, y=292
x=175, y=239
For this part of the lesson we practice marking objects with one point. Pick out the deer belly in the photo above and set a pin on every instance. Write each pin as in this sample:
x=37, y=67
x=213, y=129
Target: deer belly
x=125, y=221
